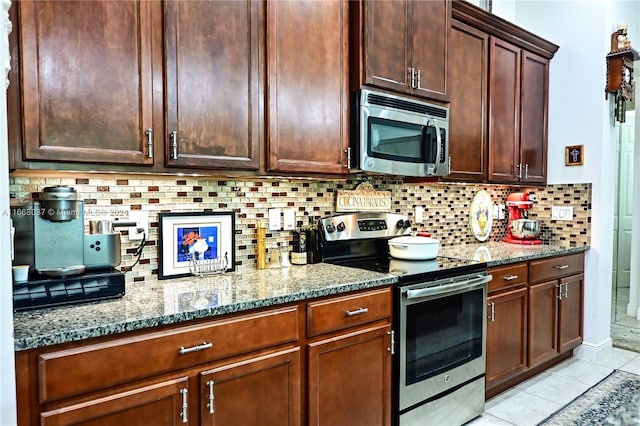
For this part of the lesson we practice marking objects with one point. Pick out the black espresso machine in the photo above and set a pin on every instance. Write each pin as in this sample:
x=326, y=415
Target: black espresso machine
x=65, y=264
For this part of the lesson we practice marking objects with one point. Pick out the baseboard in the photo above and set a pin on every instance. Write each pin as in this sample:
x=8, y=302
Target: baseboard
x=590, y=351
x=632, y=310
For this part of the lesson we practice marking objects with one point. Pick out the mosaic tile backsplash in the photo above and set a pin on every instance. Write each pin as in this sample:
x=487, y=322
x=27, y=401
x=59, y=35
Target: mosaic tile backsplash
x=446, y=206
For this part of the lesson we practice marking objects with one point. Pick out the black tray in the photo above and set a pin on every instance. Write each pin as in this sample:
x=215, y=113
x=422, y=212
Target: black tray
x=38, y=293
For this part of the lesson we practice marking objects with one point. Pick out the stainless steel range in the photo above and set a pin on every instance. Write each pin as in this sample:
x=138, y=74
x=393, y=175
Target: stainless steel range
x=439, y=319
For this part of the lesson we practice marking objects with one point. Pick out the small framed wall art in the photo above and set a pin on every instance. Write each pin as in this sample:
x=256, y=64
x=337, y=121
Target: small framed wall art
x=574, y=155
x=202, y=236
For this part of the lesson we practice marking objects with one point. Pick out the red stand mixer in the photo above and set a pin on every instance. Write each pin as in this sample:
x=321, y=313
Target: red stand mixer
x=521, y=229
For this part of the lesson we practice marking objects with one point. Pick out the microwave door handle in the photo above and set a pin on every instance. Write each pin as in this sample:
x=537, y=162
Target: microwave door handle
x=438, y=146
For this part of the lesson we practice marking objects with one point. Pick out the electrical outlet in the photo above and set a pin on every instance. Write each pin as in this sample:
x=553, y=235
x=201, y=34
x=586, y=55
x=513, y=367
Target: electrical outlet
x=289, y=219
x=496, y=211
x=561, y=213
x=419, y=211
x=501, y=211
x=141, y=218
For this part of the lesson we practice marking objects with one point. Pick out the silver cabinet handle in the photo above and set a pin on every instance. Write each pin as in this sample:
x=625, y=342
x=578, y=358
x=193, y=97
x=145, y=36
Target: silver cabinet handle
x=348, y=152
x=358, y=311
x=392, y=342
x=210, y=405
x=566, y=290
x=149, y=134
x=195, y=348
x=510, y=277
x=174, y=145
x=418, y=86
x=412, y=77
x=519, y=166
x=492, y=317
x=559, y=287
x=185, y=405
x=526, y=171
x=562, y=267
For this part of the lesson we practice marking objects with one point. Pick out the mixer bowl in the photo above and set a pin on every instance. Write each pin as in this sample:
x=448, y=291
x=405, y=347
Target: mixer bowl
x=525, y=228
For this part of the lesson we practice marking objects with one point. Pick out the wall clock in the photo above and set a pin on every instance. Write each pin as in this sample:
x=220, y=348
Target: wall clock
x=620, y=79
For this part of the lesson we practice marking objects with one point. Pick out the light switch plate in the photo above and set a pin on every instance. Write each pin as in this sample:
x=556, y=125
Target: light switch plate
x=274, y=219
x=561, y=213
x=419, y=211
x=289, y=219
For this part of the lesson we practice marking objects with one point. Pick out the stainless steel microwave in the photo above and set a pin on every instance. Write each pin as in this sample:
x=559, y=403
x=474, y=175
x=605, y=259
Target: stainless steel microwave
x=400, y=136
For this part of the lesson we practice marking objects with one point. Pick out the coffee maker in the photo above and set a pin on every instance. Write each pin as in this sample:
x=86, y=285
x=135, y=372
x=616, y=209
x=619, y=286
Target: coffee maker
x=65, y=265
x=521, y=229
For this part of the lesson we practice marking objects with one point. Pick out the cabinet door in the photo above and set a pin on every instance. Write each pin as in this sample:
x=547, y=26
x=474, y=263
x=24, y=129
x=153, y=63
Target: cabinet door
x=543, y=322
x=213, y=83
x=350, y=379
x=504, y=117
x=506, y=336
x=570, y=313
x=158, y=403
x=308, y=94
x=261, y=391
x=468, y=55
x=429, y=39
x=386, y=48
x=86, y=81
x=533, y=117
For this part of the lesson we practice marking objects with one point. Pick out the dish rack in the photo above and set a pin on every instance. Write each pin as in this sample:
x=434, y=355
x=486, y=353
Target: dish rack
x=201, y=267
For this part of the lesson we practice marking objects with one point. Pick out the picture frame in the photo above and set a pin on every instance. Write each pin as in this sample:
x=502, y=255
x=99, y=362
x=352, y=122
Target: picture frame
x=179, y=233
x=574, y=155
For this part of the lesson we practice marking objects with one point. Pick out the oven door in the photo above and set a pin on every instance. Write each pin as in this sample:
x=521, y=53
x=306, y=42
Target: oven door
x=442, y=337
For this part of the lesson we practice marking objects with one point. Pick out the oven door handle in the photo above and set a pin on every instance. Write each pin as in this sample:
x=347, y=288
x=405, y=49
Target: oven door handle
x=441, y=289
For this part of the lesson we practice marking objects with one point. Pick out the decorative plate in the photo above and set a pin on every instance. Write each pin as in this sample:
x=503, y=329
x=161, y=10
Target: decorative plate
x=480, y=217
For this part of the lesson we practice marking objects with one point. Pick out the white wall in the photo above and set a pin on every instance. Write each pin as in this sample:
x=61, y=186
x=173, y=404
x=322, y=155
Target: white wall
x=579, y=115
x=7, y=370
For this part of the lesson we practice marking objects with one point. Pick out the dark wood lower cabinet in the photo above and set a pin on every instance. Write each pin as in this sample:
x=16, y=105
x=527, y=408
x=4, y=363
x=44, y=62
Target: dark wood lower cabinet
x=570, y=317
x=262, y=391
x=543, y=322
x=154, y=403
x=506, y=336
x=350, y=379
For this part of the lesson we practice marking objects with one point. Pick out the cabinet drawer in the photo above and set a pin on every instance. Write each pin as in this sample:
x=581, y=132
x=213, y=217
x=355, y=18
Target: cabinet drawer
x=508, y=276
x=97, y=366
x=348, y=311
x=556, y=267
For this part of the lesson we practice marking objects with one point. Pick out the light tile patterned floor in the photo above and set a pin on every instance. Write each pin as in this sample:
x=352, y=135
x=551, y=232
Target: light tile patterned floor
x=532, y=401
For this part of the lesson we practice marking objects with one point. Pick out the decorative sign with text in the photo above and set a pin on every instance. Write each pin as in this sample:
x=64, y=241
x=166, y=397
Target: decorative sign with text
x=363, y=199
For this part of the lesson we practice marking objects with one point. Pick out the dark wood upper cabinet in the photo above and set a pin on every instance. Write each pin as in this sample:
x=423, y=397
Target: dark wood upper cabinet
x=86, y=81
x=504, y=112
x=468, y=74
x=517, y=91
x=403, y=46
x=213, y=83
x=308, y=98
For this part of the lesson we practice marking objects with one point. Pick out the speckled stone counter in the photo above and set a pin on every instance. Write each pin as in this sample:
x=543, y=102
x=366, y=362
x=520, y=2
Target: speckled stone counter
x=498, y=253
x=151, y=303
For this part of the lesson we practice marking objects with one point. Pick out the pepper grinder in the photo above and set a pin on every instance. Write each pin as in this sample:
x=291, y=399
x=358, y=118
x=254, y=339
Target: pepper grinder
x=274, y=261
x=261, y=243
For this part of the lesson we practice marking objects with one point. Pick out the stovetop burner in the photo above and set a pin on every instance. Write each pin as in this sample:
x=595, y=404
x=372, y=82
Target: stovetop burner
x=359, y=240
x=416, y=270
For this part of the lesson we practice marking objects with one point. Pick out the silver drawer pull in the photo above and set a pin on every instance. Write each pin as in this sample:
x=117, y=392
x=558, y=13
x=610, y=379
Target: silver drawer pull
x=210, y=405
x=195, y=348
x=358, y=311
x=510, y=277
x=562, y=266
x=185, y=405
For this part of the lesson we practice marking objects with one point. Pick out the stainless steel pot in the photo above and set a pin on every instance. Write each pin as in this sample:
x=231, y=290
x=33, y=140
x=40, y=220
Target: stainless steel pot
x=413, y=248
x=525, y=228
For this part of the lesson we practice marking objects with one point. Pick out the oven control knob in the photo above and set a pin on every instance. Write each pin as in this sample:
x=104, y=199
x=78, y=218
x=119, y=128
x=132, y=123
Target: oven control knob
x=341, y=227
x=331, y=228
x=400, y=224
x=403, y=224
x=407, y=224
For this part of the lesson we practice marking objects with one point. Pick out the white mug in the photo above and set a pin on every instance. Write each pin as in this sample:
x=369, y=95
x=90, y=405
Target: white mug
x=20, y=273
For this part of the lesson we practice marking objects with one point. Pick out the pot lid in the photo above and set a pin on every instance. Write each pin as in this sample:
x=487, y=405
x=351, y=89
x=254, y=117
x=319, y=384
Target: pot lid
x=409, y=239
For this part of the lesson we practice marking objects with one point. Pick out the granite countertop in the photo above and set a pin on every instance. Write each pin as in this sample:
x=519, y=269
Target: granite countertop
x=158, y=302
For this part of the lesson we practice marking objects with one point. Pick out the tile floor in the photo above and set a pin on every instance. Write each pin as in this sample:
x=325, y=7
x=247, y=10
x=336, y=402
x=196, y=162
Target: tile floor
x=533, y=400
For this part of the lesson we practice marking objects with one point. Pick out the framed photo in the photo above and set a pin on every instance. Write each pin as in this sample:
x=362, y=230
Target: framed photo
x=203, y=235
x=574, y=155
